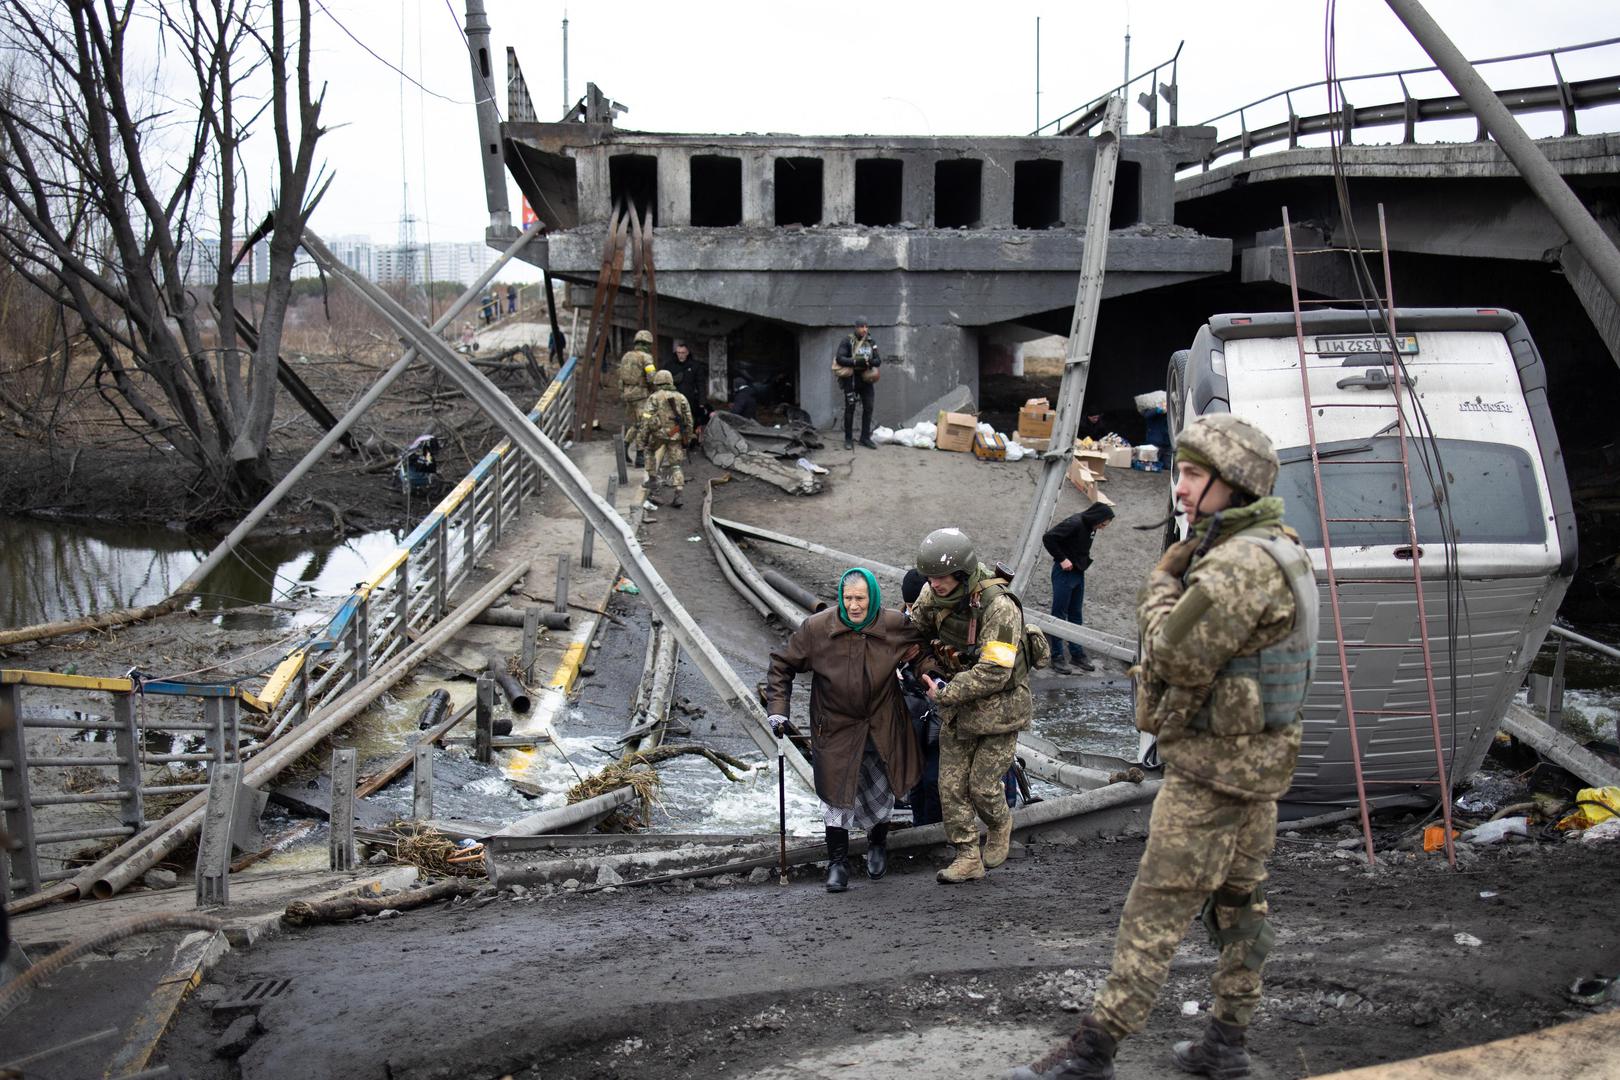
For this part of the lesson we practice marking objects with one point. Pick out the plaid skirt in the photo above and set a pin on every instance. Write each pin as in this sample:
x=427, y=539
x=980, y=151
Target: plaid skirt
x=874, y=798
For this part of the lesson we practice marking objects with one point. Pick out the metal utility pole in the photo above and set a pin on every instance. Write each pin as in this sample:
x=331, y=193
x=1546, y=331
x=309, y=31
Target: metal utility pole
x=489, y=121
x=1077, y=359
x=1037, y=73
x=1549, y=186
x=1125, y=83
x=567, y=101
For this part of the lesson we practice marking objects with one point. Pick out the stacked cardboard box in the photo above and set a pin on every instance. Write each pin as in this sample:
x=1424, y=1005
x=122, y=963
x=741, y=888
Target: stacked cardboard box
x=956, y=431
x=1035, y=421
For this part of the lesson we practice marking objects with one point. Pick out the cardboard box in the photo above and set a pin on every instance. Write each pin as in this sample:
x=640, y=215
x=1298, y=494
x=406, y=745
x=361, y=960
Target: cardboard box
x=1037, y=403
x=1147, y=452
x=1038, y=445
x=956, y=431
x=1119, y=457
x=992, y=447
x=1035, y=420
x=1094, y=460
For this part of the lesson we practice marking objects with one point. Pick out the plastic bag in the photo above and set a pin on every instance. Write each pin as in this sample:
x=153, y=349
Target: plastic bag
x=985, y=429
x=926, y=429
x=1015, y=452
x=1493, y=831
x=904, y=437
x=1593, y=806
x=881, y=435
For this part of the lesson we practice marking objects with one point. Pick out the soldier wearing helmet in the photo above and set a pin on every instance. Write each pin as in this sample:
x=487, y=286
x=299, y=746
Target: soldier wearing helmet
x=976, y=629
x=636, y=368
x=660, y=434
x=1228, y=622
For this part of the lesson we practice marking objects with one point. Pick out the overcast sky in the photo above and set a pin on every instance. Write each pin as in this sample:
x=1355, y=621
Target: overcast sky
x=836, y=67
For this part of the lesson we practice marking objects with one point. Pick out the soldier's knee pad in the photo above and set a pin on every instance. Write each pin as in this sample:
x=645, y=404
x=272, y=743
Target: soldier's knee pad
x=1248, y=925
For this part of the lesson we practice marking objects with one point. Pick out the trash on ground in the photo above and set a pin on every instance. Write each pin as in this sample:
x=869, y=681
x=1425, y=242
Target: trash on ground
x=1493, y=831
x=625, y=585
x=1434, y=837
x=1189, y=1008
x=1593, y=806
x=1467, y=939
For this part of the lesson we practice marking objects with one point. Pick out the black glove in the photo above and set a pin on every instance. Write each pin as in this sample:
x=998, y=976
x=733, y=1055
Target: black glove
x=778, y=724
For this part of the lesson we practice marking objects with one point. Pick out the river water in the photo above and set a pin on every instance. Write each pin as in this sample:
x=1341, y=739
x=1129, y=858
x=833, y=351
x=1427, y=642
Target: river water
x=58, y=571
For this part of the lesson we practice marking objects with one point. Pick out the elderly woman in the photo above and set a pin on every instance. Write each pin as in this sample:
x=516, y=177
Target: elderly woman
x=860, y=733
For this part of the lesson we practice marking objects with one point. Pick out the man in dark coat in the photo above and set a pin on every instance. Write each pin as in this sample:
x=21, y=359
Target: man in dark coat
x=692, y=380
x=860, y=732
x=1069, y=544
x=857, y=365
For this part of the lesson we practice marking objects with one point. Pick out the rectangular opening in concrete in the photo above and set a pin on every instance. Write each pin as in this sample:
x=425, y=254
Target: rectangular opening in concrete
x=957, y=186
x=633, y=179
x=1037, y=194
x=716, y=190
x=877, y=191
x=798, y=191
x=1127, y=195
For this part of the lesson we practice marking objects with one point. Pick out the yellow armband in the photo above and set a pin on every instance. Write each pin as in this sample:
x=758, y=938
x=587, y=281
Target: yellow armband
x=1000, y=653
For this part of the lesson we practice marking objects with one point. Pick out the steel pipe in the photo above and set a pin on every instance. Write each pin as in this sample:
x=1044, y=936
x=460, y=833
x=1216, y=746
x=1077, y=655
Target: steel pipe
x=794, y=591
x=516, y=697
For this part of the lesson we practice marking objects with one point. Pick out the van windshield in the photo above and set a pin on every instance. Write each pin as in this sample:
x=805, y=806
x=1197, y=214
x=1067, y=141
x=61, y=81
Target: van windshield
x=1494, y=499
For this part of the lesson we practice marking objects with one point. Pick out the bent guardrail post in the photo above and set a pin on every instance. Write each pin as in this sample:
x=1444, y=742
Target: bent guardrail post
x=602, y=517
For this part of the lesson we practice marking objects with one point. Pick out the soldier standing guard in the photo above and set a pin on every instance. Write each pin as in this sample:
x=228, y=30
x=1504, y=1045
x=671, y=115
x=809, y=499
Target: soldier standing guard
x=977, y=632
x=635, y=384
x=858, y=367
x=661, y=434
x=1228, y=621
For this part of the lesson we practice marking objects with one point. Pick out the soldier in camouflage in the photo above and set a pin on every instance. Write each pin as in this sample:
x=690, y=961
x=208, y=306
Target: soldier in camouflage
x=977, y=631
x=636, y=369
x=1228, y=623
x=660, y=435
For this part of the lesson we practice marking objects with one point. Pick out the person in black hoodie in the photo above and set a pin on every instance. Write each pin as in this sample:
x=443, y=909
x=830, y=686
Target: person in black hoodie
x=1069, y=544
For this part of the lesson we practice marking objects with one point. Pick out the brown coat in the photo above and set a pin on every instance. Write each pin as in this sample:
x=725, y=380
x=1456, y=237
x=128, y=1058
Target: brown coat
x=853, y=693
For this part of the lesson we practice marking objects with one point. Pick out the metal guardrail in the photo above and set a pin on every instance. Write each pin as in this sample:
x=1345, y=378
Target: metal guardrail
x=407, y=592
x=121, y=743
x=1559, y=95
x=1080, y=120
x=410, y=590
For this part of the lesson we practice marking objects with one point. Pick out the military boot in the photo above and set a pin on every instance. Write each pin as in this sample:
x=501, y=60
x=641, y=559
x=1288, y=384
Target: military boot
x=1220, y=1054
x=837, y=859
x=676, y=501
x=997, y=842
x=1088, y=1054
x=877, y=850
x=967, y=866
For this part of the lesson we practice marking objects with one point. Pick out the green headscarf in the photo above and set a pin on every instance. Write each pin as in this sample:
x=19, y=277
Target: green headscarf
x=874, y=599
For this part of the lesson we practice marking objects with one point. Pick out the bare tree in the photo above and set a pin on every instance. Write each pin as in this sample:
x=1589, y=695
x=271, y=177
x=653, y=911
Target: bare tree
x=107, y=182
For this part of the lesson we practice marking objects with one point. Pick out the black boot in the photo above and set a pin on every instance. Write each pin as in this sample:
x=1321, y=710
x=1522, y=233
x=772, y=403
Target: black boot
x=837, y=859
x=1220, y=1054
x=877, y=850
x=1088, y=1054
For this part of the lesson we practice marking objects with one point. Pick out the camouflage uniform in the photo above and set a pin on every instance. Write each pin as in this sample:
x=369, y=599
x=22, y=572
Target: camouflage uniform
x=982, y=708
x=1214, y=820
x=661, y=430
x=635, y=380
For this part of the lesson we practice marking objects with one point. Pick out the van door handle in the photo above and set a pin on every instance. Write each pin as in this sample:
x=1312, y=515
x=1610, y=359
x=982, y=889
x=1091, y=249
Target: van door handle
x=1405, y=551
x=1371, y=379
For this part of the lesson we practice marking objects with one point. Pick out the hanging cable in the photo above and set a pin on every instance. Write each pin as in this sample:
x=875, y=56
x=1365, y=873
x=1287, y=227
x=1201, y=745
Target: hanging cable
x=1429, y=454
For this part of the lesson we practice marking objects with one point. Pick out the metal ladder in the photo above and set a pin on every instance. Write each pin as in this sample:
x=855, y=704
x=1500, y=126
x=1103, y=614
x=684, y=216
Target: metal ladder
x=1400, y=389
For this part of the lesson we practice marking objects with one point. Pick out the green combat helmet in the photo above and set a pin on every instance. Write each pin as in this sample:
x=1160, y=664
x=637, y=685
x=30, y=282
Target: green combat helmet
x=644, y=337
x=663, y=380
x=945, y=551
x=1235, y=449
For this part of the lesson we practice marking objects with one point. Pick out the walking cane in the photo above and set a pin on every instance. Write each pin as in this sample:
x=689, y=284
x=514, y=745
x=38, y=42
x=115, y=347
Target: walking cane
x=781, y=806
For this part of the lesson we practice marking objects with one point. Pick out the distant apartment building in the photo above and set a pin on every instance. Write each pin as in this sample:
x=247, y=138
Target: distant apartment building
x=388, y=264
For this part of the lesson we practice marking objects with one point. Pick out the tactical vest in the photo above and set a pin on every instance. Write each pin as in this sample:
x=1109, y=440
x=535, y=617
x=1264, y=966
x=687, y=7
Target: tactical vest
x=1284, y=670
x=860, y=349
x=957, y=643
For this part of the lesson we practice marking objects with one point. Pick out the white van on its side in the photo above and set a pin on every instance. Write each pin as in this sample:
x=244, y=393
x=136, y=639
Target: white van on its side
x=1495, y=522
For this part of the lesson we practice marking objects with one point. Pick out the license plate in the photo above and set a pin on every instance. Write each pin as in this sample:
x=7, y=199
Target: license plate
x=1355, y=346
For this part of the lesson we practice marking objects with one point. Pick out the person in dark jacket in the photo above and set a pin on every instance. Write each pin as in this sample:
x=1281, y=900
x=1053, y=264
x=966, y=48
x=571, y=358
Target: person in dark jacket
x=692, y=380
x=1069, y=544
x=862, y=747
x=924, y=798
x=858, y=367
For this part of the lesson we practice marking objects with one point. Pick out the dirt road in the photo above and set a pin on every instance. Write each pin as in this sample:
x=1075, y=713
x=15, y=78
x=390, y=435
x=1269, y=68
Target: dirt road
x=906, y=977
